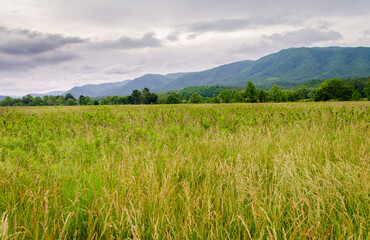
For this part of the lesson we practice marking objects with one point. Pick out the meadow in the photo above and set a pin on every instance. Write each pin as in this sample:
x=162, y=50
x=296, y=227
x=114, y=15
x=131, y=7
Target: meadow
x=208, y=171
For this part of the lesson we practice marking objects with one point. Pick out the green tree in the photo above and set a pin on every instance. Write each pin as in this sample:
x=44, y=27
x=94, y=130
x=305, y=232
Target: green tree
x=334, y=89
x=209, y=100
x=161, y=99
x=27, y=100
x=71, y=102
x=173, y=98
x=50, y=100
x=236, y=97
x=215, y=98
x=225, y=96
x=115, y=100
x=148, y=97
x=109, y=100
x=122, y=100
x=136, y=97
x=251, y=92
x=7, y=101
x=69, y=96
x=261, y=95
x=103, y=101
x=196, y=98
x=292, y=95
x=275, y=94
x=187, y=97
x=37, y=101
x=367, y=89
x=356, y=96
x=82, y=100
x=302, y=93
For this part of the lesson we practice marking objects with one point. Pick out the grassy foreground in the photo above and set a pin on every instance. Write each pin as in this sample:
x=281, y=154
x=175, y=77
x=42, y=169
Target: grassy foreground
x=236, y=171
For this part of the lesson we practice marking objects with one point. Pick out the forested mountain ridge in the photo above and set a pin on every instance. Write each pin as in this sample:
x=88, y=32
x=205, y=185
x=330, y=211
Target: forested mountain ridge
x=287, y=68
x=294, y=66
x=208, y=77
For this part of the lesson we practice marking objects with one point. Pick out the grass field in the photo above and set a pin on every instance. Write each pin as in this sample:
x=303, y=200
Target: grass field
x=231, y=171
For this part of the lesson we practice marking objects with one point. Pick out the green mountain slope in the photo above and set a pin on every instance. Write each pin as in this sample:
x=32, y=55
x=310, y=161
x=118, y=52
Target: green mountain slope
x=294, y=66
x=208, y=77
x=96, y=90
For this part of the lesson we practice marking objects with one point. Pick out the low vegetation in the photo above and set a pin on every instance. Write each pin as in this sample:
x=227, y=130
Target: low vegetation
x=235, y=171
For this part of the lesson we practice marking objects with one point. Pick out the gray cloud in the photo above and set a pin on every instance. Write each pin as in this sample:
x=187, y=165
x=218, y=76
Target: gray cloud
x=142, y=14
x=366, y=32
x=173, y=37
x=24, y=42
x=10, y=63
x=305, y=36
x=119, y=69
x=225, y=25
x=147, y=41
x=230, y=25
x=266, y=44
x=23, y=49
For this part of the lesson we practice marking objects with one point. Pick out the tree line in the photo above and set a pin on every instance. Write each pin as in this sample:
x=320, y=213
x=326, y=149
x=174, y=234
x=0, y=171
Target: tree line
x=334, y=89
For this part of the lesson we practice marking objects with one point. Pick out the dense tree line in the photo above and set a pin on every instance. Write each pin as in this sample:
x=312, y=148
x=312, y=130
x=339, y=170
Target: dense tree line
x=334, y=89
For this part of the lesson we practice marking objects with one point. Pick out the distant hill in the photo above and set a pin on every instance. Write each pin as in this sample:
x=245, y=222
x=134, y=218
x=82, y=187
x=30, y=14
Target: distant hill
x=208, y=77
x=151, y=81
x=96, y=90
x=286, y=68
x=55, y=93
x=296, y=65
x=2, y=98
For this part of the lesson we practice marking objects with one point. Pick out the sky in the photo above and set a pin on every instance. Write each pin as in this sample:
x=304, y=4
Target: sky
x=49, y=45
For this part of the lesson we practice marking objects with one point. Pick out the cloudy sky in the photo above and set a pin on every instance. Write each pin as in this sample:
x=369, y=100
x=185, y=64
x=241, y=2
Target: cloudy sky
x=48, y=45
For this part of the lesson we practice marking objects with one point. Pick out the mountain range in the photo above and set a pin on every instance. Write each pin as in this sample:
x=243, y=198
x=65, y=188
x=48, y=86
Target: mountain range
x=286, y=68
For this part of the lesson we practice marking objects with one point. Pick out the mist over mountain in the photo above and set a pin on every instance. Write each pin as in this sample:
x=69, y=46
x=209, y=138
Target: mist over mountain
x=286, y=68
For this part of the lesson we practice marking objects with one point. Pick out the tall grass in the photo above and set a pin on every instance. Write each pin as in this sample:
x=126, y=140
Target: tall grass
x=238, y=171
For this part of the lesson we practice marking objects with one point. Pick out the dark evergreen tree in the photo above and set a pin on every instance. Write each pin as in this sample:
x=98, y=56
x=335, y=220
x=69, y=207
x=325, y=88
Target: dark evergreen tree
x=136, y=97
x=251, y=92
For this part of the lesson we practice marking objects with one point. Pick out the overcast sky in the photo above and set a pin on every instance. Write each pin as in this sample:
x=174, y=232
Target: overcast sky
x=48, y=45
